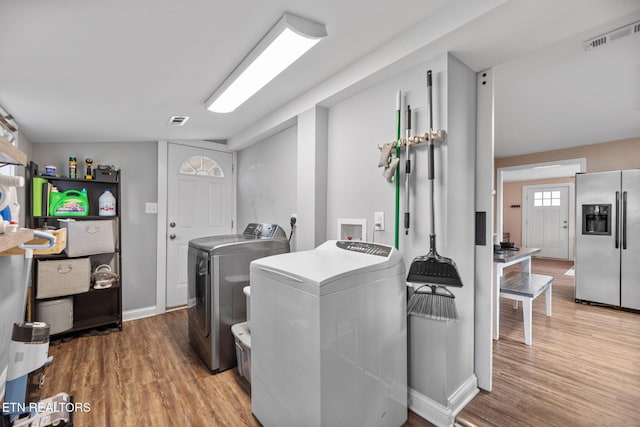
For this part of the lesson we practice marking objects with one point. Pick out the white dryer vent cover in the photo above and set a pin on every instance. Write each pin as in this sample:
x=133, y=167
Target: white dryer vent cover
x=607, y=38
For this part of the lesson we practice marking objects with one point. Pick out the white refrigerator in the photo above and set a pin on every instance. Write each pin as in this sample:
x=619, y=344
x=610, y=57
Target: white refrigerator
x=607, y=267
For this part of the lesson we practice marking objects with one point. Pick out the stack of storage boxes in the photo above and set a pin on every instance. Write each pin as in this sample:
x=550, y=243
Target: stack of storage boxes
x=68, y=276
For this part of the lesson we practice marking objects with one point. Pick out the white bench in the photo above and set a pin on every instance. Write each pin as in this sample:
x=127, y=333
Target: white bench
x=525, y=287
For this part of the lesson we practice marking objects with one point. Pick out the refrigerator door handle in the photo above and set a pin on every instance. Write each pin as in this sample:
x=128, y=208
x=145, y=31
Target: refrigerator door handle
x=624, y=220
x=617, y=226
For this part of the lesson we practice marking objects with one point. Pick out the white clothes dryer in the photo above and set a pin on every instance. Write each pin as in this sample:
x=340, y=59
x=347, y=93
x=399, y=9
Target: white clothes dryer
x=218, y=270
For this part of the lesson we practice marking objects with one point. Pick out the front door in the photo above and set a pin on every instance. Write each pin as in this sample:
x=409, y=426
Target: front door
x=547, y=221
x=199, y=204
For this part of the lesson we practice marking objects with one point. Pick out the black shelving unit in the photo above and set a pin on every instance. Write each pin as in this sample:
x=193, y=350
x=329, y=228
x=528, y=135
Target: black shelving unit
x=96, y=308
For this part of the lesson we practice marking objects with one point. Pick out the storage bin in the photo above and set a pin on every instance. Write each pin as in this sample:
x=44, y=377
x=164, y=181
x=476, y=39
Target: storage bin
x=107, y=175
x=58, y=314
x=63, y=277
x=90, y=237
x=242, y=338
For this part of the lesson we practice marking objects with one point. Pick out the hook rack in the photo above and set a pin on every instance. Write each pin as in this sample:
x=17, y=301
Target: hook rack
x=436, y=135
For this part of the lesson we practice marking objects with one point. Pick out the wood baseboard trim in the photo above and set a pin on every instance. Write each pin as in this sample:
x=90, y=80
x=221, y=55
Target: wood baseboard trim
x=139, y=313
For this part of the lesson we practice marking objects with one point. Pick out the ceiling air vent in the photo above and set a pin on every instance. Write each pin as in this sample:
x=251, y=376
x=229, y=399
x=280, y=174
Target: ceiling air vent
x=178, y=120
x=607, y=38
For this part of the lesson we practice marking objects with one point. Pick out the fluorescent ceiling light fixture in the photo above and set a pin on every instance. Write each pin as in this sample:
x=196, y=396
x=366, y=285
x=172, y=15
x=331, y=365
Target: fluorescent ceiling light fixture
x=287, y=41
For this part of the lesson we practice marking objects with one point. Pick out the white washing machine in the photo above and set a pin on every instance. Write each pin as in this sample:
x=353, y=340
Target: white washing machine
x=329, y=337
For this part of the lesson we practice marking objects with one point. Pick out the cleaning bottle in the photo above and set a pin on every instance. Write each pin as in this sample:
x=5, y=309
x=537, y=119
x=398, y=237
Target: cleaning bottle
x=73, y=164
x=14, y=205
x=9, y=206
x=107, y=204
x=68, y=203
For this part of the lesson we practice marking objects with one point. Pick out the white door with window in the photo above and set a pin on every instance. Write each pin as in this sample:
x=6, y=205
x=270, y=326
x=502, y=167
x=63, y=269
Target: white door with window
x=547, y=221
x=199, y=204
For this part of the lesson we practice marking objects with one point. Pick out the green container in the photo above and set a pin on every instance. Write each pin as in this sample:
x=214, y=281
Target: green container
x=37, y=184
x=69, y=203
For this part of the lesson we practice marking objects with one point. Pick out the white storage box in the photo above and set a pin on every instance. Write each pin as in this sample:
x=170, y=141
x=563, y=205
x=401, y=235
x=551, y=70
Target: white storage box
x=242, y=337
x=90, y=237
x=58, y=313
x=63, y=277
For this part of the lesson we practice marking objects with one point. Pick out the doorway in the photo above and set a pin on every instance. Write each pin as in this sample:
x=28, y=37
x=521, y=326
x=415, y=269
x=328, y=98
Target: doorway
x=534, y=172
x=196, y=198
x=546, y=219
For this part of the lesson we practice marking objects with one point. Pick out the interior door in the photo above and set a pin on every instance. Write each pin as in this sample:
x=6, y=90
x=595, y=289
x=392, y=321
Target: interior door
x=200, y=197
x=547, y=221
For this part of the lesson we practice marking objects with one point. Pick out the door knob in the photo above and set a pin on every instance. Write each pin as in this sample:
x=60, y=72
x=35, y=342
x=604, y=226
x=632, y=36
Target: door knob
x=172, y=224
x=172, y=236
x=565, y=227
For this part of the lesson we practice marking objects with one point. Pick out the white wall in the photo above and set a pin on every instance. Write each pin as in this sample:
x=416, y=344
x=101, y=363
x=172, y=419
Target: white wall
x=139, y=185
x=356, y=187
x=460, y=213
x=25, y=145
x=267, y=180
x=440, y=354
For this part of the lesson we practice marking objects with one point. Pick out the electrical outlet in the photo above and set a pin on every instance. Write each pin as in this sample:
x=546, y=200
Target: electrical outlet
x=378, y=221
x=151, y=208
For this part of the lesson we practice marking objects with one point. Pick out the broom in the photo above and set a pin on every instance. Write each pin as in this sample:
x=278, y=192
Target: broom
x=436, y=303
x=433, y=270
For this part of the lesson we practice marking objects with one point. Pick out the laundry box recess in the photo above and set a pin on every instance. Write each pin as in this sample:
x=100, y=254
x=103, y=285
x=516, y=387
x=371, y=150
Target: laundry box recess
x=58, y=313
x=63, y=277
x=90, y=237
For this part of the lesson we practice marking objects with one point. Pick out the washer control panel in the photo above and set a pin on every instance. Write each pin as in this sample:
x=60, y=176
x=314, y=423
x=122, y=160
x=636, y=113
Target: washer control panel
x=261, y=230
x=364, y=248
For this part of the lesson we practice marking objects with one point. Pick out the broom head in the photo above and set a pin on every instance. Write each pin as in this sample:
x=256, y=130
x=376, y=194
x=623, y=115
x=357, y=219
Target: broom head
x=436, y=303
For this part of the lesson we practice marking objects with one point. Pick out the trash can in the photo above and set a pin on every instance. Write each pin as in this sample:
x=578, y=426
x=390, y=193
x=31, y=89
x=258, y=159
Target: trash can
x=242, y=338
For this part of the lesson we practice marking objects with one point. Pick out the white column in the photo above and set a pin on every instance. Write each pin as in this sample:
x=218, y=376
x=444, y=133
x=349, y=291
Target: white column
x=312, y=178
x=485, y=293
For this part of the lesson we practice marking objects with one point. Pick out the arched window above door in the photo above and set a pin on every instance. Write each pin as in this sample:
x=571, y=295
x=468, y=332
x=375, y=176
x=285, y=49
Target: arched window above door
x=201, y=165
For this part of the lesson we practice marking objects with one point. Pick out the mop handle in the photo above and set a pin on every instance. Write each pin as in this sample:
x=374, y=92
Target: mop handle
x=407, y=172
x=432, y=236
x=397, y=178
x=430, y=102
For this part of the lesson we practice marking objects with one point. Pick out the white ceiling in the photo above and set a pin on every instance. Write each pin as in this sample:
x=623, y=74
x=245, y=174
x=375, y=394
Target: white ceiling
x=565, y=96
x=116, y=70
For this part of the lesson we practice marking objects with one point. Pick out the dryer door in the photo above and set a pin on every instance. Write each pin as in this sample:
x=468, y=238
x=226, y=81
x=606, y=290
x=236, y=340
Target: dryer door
x=199, y=288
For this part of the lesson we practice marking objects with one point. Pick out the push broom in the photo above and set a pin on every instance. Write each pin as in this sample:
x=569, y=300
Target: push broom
x=433, y=300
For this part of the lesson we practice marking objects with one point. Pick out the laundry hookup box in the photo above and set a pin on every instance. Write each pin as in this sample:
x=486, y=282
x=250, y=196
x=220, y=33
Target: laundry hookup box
x=63, y=277
x=89, y=237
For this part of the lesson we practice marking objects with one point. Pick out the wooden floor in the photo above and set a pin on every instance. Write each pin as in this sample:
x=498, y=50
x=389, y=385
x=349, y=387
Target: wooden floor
x=148, y=375
x=582, y=369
